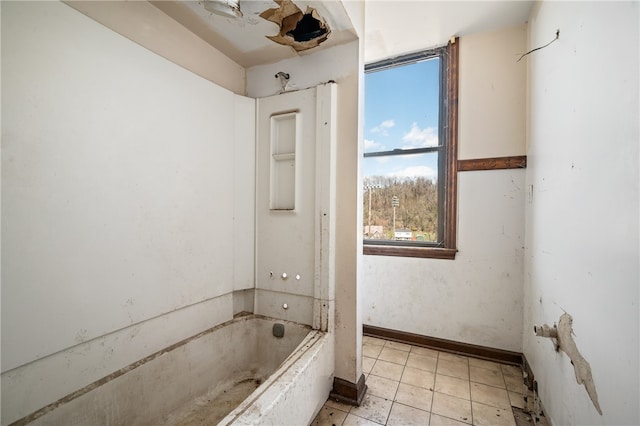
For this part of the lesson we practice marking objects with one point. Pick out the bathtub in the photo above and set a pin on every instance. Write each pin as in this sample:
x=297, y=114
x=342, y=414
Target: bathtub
x=237, y=373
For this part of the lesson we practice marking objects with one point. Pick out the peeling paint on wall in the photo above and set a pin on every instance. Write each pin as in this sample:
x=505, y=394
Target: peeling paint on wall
x=564, y=342
x=299, y=30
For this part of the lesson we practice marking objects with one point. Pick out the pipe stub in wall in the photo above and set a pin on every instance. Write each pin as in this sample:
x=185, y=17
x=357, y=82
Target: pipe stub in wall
x=545, y=331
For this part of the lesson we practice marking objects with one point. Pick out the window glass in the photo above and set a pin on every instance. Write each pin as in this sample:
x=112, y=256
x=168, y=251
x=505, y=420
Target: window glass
x=402, y=201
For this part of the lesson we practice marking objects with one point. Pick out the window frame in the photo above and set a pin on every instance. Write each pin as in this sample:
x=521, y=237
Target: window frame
x=448, y=133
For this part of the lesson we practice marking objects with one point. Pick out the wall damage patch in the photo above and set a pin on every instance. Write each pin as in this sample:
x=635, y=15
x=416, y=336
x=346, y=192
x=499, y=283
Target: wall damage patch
x=563, y=333
x=299, y=30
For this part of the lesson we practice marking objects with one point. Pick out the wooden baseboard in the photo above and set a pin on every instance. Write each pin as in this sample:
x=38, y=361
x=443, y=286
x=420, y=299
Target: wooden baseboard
x=347, y=392
x=482, y=352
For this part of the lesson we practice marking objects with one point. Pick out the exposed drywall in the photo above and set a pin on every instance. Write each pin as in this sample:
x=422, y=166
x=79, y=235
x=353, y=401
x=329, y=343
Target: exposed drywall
x=118, y=210
x=582, y=231
x=476, y=298
x=562, y=335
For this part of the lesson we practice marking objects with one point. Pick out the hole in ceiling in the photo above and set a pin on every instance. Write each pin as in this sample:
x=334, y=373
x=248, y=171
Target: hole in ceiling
x=307, y=29
x=299, y=30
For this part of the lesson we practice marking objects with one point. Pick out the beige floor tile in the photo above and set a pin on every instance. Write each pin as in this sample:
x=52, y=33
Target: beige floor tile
x=416, y=377
x=452, y=357
x=452, y=407
x=437, y=420
x=516, y=399
x=454, y=368
x=402, y=415
x=372, y=351
x=352, y=420
x=422, y=362
x=414, y=396
x=452, y=386
x=424, y=351
x=388, y=370
x=511, y=370
x=482, y=363
x=490, y=395
x=339, y=405
x=514, y=383
x=373, y=408
x=397, y=345
x=394, y=355
x=329, y=416
x=384, y=388
x=373, y=341
x=486, y=377
x=367, y=364
x=485, y=415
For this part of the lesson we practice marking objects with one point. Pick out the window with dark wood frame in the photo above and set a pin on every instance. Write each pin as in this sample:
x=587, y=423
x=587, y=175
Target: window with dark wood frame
x=444, y=245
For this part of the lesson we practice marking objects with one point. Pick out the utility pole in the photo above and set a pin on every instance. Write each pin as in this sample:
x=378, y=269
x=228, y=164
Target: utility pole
x=369, y=188
x=395, y=202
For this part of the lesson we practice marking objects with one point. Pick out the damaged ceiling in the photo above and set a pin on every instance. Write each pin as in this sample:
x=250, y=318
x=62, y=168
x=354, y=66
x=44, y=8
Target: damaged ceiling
x=267, y=31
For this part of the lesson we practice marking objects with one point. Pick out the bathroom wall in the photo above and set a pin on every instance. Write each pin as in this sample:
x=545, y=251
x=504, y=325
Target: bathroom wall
x=582, y=232
x=476, y=298
x=340, y=64
x=146, y=24
x=125, y=184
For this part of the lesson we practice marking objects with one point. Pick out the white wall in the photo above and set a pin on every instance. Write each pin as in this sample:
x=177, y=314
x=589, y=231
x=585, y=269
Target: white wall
x=476, y=298
x=117, y=204
x=147, y=25
x=582, y=244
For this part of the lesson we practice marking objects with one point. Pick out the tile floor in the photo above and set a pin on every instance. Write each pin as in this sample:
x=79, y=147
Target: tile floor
x=409, y=385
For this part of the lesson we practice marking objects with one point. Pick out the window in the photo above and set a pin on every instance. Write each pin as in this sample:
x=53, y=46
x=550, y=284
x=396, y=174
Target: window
x=409, y=165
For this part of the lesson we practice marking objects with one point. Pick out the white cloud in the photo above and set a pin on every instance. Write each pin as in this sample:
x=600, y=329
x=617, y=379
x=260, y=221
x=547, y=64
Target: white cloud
x=371, y=145
x=421, y=138
x=416, y=171
x=383, y=127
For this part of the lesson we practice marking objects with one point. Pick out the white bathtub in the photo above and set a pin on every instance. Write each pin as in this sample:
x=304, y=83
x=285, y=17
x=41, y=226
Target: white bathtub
x=287, y=380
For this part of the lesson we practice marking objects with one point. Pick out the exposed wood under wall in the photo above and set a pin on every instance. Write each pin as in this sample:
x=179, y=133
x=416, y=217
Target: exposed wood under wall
x=495, y=163
x=347, y=392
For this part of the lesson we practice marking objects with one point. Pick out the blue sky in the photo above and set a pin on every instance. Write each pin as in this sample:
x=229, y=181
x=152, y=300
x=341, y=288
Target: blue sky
x=401, y=111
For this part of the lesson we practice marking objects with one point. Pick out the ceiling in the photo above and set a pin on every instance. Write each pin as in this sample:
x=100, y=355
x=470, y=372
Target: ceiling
x=396, y=27
x=245, y=39
x=392, y=27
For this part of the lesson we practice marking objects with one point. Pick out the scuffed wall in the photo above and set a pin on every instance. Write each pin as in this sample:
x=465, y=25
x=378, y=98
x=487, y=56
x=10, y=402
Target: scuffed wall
x=582, y=232
x=118, y=198
x=340, y=64
x=476, y=298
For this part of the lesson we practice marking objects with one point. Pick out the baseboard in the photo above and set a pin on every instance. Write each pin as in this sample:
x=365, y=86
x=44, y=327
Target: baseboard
x=482, y=352
x=347, y=392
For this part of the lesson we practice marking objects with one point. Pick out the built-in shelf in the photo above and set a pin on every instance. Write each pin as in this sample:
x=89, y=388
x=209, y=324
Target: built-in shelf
x=284, y=140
